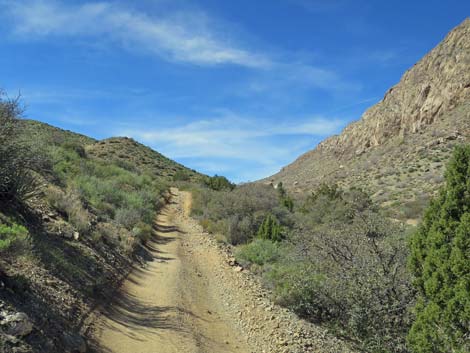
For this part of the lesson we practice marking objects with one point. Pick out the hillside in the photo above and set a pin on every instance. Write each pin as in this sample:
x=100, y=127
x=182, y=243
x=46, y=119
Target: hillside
x=397, y=150
x=66, y=247
x=121, y=150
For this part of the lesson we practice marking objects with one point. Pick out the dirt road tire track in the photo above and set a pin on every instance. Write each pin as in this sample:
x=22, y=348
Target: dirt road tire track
x=187, y=299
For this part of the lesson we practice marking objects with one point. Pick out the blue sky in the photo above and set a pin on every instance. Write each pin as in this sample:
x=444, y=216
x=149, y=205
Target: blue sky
x=233, y=87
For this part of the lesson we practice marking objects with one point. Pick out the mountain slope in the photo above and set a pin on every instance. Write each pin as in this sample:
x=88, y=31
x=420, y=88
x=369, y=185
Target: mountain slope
x=127, y=151
x=397, y=149
x=78, y=237
x=121, y=150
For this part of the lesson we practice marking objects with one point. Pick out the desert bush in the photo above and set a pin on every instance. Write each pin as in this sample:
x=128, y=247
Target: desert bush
x=18, y=180
x=298, y=286
x=76, y=147
x=143, y=232
x=127, y=241
x=240, y=229
x=182, y=175
x=115, y=193
x=119, y=194
x=127, y=217
x=339, y=260
x=122, y=163
x=357, y=262
x=66, y=163
x=239, y=213
x=70, y=204
x=414, y=209
x=12, y=236
x=259, y=252
x=106, y=232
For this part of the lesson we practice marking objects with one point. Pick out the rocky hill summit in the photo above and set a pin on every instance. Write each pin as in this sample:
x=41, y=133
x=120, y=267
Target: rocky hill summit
x=400, y=142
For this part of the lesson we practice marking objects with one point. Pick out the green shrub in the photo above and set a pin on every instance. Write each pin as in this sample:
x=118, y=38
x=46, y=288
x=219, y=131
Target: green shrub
x=12, y=236
x=69, y=203
x=238, y=214
x=299, y=287
x=360, y=257
x=182, y=175
x=76, y=147
x=65, y=163
x=259, y=252
x=143, y=232
x=339, y=261
x=439, y=260
x=288, y=203
x=127, y=218
x=114, y=192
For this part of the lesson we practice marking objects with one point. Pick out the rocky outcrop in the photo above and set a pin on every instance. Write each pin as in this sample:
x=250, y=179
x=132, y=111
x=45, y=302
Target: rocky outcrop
x=398, y=150
x=436, y=84
x=16, y=324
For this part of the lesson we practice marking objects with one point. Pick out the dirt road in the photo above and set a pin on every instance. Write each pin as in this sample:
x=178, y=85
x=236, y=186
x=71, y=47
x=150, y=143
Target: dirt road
x=187, y=298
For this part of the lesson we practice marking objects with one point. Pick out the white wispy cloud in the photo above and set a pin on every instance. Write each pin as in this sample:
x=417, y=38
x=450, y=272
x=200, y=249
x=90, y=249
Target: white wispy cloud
x=184, y=38
x=240, y=139
x=188, y=36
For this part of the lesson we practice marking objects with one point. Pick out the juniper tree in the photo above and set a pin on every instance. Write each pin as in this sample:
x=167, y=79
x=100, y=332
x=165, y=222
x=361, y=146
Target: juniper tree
x=284, y=198
x=270, y=229
x=440, y=263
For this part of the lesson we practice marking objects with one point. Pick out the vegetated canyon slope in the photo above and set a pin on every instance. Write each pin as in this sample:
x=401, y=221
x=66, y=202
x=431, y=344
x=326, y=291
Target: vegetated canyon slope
x=122, y=150
x=84, y=229
x=398, y=149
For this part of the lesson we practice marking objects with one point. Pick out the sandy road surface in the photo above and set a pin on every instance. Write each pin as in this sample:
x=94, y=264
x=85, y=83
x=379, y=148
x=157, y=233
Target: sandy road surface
x=167, y=306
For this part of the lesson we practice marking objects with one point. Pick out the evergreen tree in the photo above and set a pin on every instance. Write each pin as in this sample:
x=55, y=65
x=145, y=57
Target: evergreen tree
x=270, y=229
x=281, y=191
x=440, y=263
x=219, y=183
x=288, y=203
x=284, y=198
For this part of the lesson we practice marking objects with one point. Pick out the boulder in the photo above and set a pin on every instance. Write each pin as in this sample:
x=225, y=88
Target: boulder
x=17, y=324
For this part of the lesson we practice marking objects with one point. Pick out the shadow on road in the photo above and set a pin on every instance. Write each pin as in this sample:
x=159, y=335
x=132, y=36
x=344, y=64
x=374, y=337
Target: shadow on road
x=127, y=314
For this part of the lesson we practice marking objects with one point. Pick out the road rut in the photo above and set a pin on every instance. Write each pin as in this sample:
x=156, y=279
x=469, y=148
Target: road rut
x=167, y=306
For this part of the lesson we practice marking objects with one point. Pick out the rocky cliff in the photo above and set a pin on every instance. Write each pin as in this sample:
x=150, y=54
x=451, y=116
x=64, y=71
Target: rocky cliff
x=398, y=148
x=438, y=83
